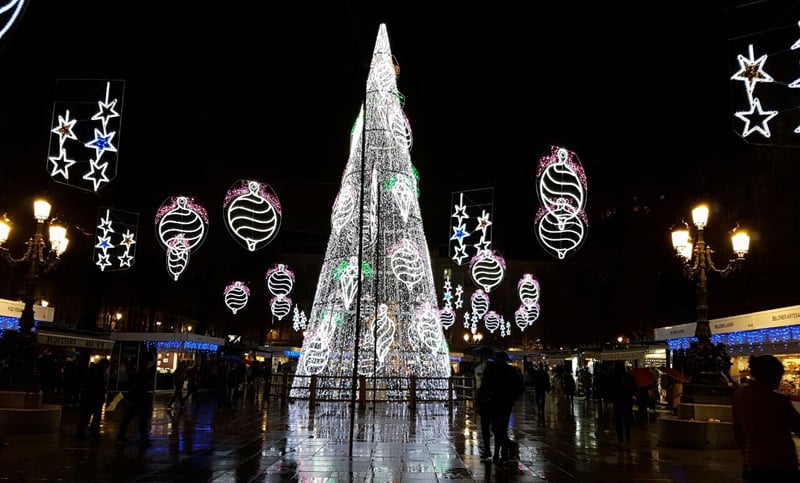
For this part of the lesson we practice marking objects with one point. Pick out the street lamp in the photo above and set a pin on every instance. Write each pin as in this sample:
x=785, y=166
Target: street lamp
x=37, y=255
x=473, y=337
x=707, y=360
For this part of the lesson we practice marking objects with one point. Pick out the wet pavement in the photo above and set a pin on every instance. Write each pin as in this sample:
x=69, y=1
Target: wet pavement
x=272, y=442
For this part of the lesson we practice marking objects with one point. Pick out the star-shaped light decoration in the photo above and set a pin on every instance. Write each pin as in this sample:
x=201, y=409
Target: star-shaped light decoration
x=96, y=173
x=127, y=239
x=460, y=254
x=106, y=223
x=104, y=243
x=125, y=260
x=101, y=143
x=751, y=70
x=459, y=232
x=483, y=222
x=105, y=110
x=759, y=121
x=61, y=164
x=64, y=128
x=103, y=260
x=460, y=210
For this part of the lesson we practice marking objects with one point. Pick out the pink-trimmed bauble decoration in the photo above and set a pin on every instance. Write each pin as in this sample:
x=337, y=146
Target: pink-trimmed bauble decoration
x=487, y=269
x=236, y=296
x=252, y=214
x=181, y=227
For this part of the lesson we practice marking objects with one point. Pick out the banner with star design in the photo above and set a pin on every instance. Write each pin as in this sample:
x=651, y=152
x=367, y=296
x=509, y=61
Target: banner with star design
x=470, y=229
x=85, y=133
x=115, y=239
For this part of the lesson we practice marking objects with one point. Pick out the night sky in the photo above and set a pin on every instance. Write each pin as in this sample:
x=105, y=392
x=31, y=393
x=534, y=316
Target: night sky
x=214, y=94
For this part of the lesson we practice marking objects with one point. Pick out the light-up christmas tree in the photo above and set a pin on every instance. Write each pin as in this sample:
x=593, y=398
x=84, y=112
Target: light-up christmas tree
x=391, y=327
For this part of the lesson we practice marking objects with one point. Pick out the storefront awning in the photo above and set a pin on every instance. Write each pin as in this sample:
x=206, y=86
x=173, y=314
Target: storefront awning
x=621, y=355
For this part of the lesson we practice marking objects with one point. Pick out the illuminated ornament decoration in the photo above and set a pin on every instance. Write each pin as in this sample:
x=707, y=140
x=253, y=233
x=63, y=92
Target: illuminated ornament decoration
x=252, y=214
x=344, y=209
x=236, y=296
x=447, y=317
x=528, y=290
x=10, y=11
x=480, y=304
x=491, y=321
x=280, y=279
x=521, y=317
x=429, y=327
x=181, y=228
x=84, y=139
x=407, y=263
x=487, y=269
x=280, y=306
x=317, y=348
x=376, y=221
x=280, y=283
x=115, y=239
x=561, y=188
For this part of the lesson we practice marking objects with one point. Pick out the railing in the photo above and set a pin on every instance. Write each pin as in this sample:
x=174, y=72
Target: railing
x=459, y=389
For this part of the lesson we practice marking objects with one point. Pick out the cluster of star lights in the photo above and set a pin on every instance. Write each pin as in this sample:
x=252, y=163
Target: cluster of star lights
x=751, y=72
x=116, y=239
x=82, y=140
x=380, y=273
x=460, y=231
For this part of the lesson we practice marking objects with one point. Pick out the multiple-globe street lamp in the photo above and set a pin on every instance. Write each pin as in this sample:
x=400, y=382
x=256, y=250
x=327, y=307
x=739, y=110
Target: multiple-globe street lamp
x=38, y=257
x=706, y=361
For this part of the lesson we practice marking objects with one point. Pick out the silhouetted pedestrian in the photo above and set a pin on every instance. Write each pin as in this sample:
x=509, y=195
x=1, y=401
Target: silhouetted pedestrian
x=623, y=391
x=92, y=398
x=138, y=403
x=503, y=384
x=541, y=386
x=483, y=405
x=193, y=380
x=763, y=423
x=178, y=380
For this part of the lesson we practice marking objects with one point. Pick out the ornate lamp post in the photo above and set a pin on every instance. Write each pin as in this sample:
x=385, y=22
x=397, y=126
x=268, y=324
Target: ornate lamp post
x=39, y=259
x=473, y=337
x=706, y=361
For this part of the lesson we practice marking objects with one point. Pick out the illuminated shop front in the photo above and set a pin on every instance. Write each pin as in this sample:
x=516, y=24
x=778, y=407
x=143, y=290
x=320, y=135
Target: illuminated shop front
x=775, y=332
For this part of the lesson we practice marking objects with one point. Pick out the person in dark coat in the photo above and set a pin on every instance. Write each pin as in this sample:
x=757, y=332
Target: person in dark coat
x=502, y=384
x=623, y=392
x=92, y=398
x=138, y=403
x=541, y=386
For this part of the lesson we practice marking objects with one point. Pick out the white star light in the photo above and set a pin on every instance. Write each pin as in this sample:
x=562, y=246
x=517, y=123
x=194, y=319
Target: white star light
x=61, y=164
x=96, y=173
x=103, y=261
x=105, y=223
x=64, y=128
x=755, y=111
x=125, y=260
x=106, y=111
x=460, y=210
x=483, y=222
x=460, y=255
x=751, y=70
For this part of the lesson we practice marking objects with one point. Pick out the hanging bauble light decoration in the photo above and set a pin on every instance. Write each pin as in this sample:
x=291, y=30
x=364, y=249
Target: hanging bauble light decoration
x=181, y=227
x=252, y=214
x=487, y=269
x=236, y=296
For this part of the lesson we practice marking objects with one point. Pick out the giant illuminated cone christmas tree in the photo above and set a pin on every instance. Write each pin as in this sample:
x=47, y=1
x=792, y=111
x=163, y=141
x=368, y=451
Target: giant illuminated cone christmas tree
x=390, y=327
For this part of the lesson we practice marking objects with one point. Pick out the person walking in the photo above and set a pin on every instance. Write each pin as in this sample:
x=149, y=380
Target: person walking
x=569, y=388
x=623, y=392
x=178, y=380
x=503, y=384
x=193, y=378
x=138, y=403
x=483, y=404
x=92, y=397
x=541, y=386
x=763, y=423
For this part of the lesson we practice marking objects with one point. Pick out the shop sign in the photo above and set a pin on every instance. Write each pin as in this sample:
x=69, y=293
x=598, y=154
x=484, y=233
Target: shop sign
x=13, y=308
x=71, y=341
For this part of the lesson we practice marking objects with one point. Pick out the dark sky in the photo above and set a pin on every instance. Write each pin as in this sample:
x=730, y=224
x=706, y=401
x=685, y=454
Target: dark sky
x=216, y=92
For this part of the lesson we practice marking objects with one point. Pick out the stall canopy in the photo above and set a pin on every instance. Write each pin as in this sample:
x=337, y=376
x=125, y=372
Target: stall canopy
x=73, y=340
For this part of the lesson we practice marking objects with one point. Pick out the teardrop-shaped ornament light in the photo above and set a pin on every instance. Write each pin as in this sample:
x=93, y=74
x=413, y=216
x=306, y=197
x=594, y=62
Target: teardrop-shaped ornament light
x=252, y=214
x=487, y=269
x=236, y=296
